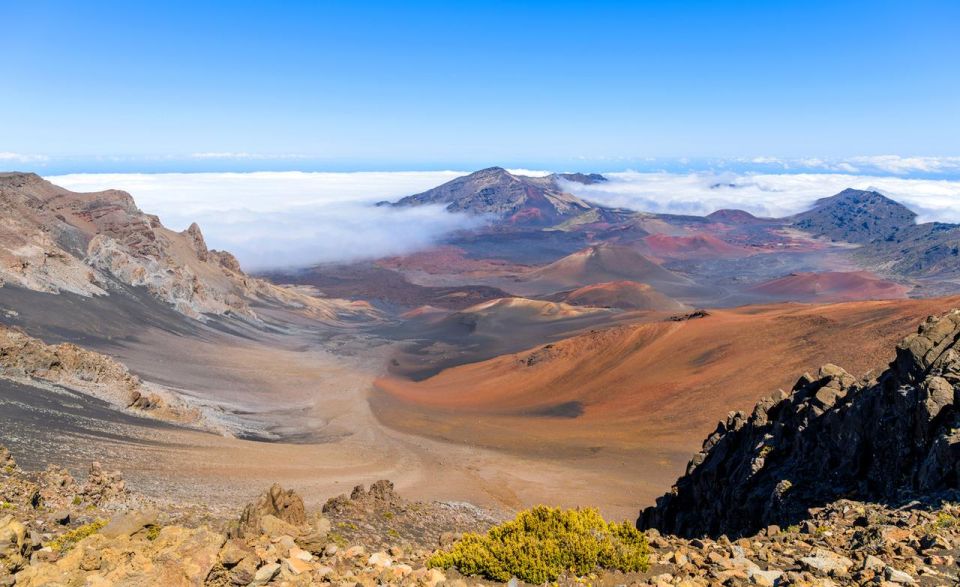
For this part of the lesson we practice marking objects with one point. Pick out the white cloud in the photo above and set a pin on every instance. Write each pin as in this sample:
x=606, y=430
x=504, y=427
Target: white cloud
x=286, y=219
x=244, y=156
x=896, y=164
x=904, y=165
x=530, y=172
x=22, y=158
x=771, y=194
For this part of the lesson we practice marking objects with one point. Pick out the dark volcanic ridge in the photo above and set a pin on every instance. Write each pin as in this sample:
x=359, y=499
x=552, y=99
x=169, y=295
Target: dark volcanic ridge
x=888, y=439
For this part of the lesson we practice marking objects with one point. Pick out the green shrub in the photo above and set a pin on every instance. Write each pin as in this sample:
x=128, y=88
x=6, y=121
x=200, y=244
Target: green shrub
x=337, y=539
x=153, y=532
x=543, y=543
x=66, y=541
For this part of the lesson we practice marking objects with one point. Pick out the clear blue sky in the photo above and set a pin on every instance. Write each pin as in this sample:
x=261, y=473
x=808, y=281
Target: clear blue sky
x=363, y=85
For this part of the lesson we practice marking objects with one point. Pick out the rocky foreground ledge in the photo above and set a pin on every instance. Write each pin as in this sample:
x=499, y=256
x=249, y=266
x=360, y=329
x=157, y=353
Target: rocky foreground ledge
x=55, y=530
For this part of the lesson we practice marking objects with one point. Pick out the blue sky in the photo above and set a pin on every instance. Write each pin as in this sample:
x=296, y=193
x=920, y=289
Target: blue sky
x=121, y=86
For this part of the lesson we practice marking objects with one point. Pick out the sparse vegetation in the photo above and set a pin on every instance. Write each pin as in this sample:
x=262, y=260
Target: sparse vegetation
x=66, y=541
x=945, y=520
x=543, y=543
x=153, y=531
x=337, y=539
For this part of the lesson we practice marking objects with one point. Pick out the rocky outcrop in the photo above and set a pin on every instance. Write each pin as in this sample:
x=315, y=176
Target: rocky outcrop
x=175, y=556
x=276, y=511
x=54, y=240
x=832, y=436
x=27, y=359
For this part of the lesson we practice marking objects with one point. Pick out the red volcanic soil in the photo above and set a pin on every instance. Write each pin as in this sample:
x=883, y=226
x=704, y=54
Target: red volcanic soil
x=698, y=245
x=601, y=264
x=447, y=260
x=733, y=216
x=832, y=286
x=626, y=295
x=639, y=399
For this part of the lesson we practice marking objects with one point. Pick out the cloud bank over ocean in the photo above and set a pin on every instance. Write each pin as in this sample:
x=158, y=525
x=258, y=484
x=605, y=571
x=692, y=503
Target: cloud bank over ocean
x=289, y=219
x=764, y=194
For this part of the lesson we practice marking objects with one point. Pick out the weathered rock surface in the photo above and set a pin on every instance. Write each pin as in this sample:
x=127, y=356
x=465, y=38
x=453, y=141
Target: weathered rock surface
x=831, y=437
x=55, y=240
x=375, y=537
x=276, y=511
x=27, y=359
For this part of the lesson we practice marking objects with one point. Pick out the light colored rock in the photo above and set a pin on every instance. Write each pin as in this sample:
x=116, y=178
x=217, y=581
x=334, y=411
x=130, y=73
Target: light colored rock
x=176, y=557
x=380, y=560
x=266, y=573
x=897, y=576
x=872, y=563
x=274, y=526
x=128, y=524
x=433, y=577
x=15, y=544
x=826, y=562
x=297, y=566
x=354, y=551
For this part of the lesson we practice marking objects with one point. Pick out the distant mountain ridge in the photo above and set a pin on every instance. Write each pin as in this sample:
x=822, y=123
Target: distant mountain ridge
x=891, y=239
x=856, y=216
x=509, y=198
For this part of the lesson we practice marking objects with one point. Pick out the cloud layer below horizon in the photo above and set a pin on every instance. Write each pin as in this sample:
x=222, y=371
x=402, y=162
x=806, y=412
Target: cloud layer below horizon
x=768, y=194
x=294, y=219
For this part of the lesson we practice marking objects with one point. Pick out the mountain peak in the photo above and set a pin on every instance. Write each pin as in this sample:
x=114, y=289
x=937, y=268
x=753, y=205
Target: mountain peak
x=508, y=198
x=856, y=216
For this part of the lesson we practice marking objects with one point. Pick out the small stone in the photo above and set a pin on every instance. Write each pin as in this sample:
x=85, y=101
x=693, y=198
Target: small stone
x=897, y=576
x=296, y=566
x=299, y=553
x=325, y=571
x=355, y=551
x=129, y=524
x=233, y=552
x=62, y=517
x=379, y=560
x=433, y=577
x=826, y=562
x=265, y=574
x=331, y=549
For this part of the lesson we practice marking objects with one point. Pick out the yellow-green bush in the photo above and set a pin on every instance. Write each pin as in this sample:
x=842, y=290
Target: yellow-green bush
x=543, y=543
x=66, y=541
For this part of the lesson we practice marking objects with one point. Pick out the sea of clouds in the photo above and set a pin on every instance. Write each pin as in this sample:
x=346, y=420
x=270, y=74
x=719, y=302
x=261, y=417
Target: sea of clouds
x=294, y=219
x=764, y=194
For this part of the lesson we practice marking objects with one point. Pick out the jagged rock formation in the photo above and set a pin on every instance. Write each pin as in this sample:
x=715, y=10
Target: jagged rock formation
x=832, y=436
x=276, y=508
x=27, y=359
x=509, y=198
x=54, y=240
